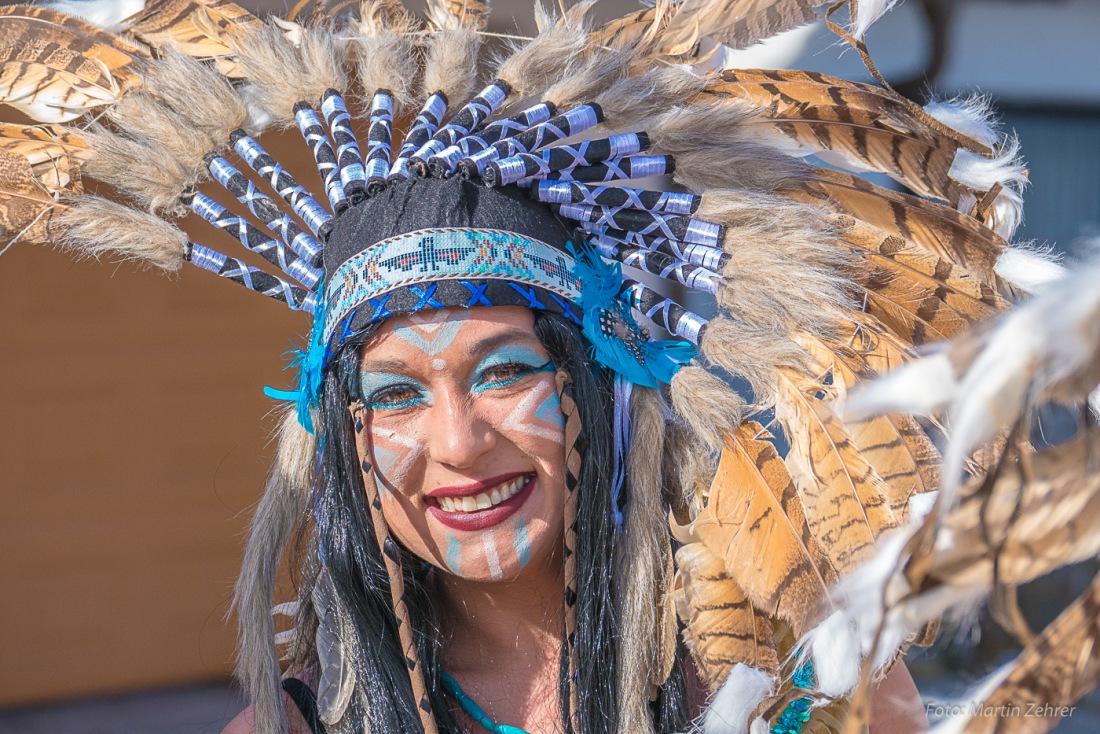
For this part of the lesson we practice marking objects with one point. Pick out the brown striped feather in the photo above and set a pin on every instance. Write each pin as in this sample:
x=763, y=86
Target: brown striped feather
x=846, y=502
x=28, y=210
x=721, y=627
x=1057, y=668
x=753, y=520
x=857, y=125
x=940, y=229
x=54, y=68
x=52, y=153
x=895, y=446
x=733, y=23
x=198, y=28
x=634, y=30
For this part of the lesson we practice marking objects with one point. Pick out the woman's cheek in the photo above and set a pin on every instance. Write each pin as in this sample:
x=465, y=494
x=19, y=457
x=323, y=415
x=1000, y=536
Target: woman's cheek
x=535, y=417
x=396, y=449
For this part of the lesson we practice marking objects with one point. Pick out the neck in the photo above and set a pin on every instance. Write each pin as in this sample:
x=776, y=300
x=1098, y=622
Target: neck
x=513, y=626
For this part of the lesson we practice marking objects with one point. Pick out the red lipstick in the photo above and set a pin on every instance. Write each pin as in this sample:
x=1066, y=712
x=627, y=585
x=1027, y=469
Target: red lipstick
x=481, y=519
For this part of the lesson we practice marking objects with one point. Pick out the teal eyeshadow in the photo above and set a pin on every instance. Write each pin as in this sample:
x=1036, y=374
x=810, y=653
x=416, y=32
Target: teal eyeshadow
x=374, y=383
x=510, y=354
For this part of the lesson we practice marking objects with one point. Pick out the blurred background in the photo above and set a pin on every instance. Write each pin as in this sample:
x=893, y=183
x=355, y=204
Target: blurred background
x=135, y=435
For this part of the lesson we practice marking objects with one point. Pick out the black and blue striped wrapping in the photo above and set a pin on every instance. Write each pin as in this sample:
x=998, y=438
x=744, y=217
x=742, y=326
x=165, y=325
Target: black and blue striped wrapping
x=301, y=201
x=658, y=263
x=446, y=162
x=254, y=239
x=562, y=126
x=571, y=192
x=313, y=130
x=379, y=137
x=252, y=278
x=672, y=226
x=562, y=158
x=420, y=132
x=265, y=209
x=711, y=258
x=664, y=312
x=352, y=173
x=472, y=114
x=616, y=169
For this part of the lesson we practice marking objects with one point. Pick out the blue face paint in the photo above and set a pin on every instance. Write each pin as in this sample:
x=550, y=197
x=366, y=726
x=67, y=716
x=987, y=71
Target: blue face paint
x=387, y=391
x=506, y=366
x=454, y=554
x=522, y=544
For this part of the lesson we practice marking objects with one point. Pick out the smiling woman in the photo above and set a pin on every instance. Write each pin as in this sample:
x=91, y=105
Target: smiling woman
x=515, y=486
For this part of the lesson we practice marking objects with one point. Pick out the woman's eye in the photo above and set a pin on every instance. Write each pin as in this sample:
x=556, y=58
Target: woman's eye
x=395, y=398
x=509, y=373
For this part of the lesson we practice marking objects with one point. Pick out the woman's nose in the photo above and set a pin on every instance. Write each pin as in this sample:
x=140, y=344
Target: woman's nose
x=457, y=436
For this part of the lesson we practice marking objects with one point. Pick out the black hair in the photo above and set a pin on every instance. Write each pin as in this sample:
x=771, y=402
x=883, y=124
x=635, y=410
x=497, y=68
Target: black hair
x=345, y=543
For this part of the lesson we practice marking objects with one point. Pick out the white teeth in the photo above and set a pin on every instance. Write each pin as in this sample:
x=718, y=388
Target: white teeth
x=484, y=500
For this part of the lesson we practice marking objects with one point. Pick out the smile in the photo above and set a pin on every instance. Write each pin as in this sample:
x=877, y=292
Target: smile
x=488, y=507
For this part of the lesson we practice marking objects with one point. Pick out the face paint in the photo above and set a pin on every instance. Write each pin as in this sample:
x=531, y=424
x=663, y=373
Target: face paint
x=454, y=555
x=522, y=544
x=466, y=433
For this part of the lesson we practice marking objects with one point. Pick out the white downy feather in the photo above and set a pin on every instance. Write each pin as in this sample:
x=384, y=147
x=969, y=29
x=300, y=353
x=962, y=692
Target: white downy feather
x=1006, y=168
x=972, y=116
x=1094, y=403
x=108, y=15
x=920, y=505
x=1028, y=269
x=729, y=710
x=866, y=13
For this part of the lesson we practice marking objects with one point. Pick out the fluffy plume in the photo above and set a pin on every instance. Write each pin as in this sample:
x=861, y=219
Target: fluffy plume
x=744, y=690
x=385, y=56
x=751, y=352
x=688, y=467
x=867, y=13
x=712, y=150
x=647, y=632
x=108, y=15
x=198, y=94
x=281, y=75
x=544, y=60
x=586, y=77
x=773, y=242
x=451, y=65
x=707, y=404
x=95, y=227
x=283, y=505
x=636, y=98
x=1029, y=268
x=153, y=173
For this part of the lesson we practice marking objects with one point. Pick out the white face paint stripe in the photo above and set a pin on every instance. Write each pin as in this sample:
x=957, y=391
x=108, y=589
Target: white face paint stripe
x=520, y=419
x=491, y=556
x=393, y=469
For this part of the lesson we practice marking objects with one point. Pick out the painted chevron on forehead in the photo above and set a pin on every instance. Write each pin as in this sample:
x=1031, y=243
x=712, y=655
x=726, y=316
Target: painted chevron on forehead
x=538, y=414
x=433, y=331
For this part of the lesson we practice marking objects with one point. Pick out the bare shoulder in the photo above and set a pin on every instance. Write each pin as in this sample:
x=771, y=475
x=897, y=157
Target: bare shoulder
x=245, y=722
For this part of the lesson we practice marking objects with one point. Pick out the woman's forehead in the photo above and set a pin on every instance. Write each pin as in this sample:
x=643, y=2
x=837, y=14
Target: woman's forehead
x=457, y=331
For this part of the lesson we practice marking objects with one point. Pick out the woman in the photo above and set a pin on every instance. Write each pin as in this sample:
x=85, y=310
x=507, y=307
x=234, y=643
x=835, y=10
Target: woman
x=647, y=551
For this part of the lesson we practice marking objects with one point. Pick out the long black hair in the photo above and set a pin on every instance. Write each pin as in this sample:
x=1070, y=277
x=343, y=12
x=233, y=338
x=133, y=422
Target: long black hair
x=344, y=545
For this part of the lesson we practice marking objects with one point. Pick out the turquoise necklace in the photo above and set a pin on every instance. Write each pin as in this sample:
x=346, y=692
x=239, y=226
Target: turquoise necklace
x=452, y=689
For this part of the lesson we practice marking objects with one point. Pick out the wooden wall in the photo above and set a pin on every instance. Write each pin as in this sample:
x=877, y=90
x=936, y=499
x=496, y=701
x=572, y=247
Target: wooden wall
x=132, y=451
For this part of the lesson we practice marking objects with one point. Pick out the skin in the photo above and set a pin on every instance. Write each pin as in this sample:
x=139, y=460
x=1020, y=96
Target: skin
x=457, y=396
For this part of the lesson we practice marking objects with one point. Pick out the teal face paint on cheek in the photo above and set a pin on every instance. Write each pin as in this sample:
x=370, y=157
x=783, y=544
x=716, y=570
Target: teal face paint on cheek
x=454, y=554
x=522, y=544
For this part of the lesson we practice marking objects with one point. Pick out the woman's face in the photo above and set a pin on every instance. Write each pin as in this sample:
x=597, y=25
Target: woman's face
x=467, y=439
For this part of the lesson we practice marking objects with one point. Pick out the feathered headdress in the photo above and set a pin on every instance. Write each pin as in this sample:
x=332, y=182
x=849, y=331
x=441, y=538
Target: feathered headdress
x=527, y=193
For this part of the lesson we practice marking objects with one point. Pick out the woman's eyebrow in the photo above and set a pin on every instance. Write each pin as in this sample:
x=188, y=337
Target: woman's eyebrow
x=384, y=365
x=511, y=336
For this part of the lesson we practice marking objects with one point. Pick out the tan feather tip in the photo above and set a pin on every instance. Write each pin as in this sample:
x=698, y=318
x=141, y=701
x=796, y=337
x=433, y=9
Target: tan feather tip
x=96, y=227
